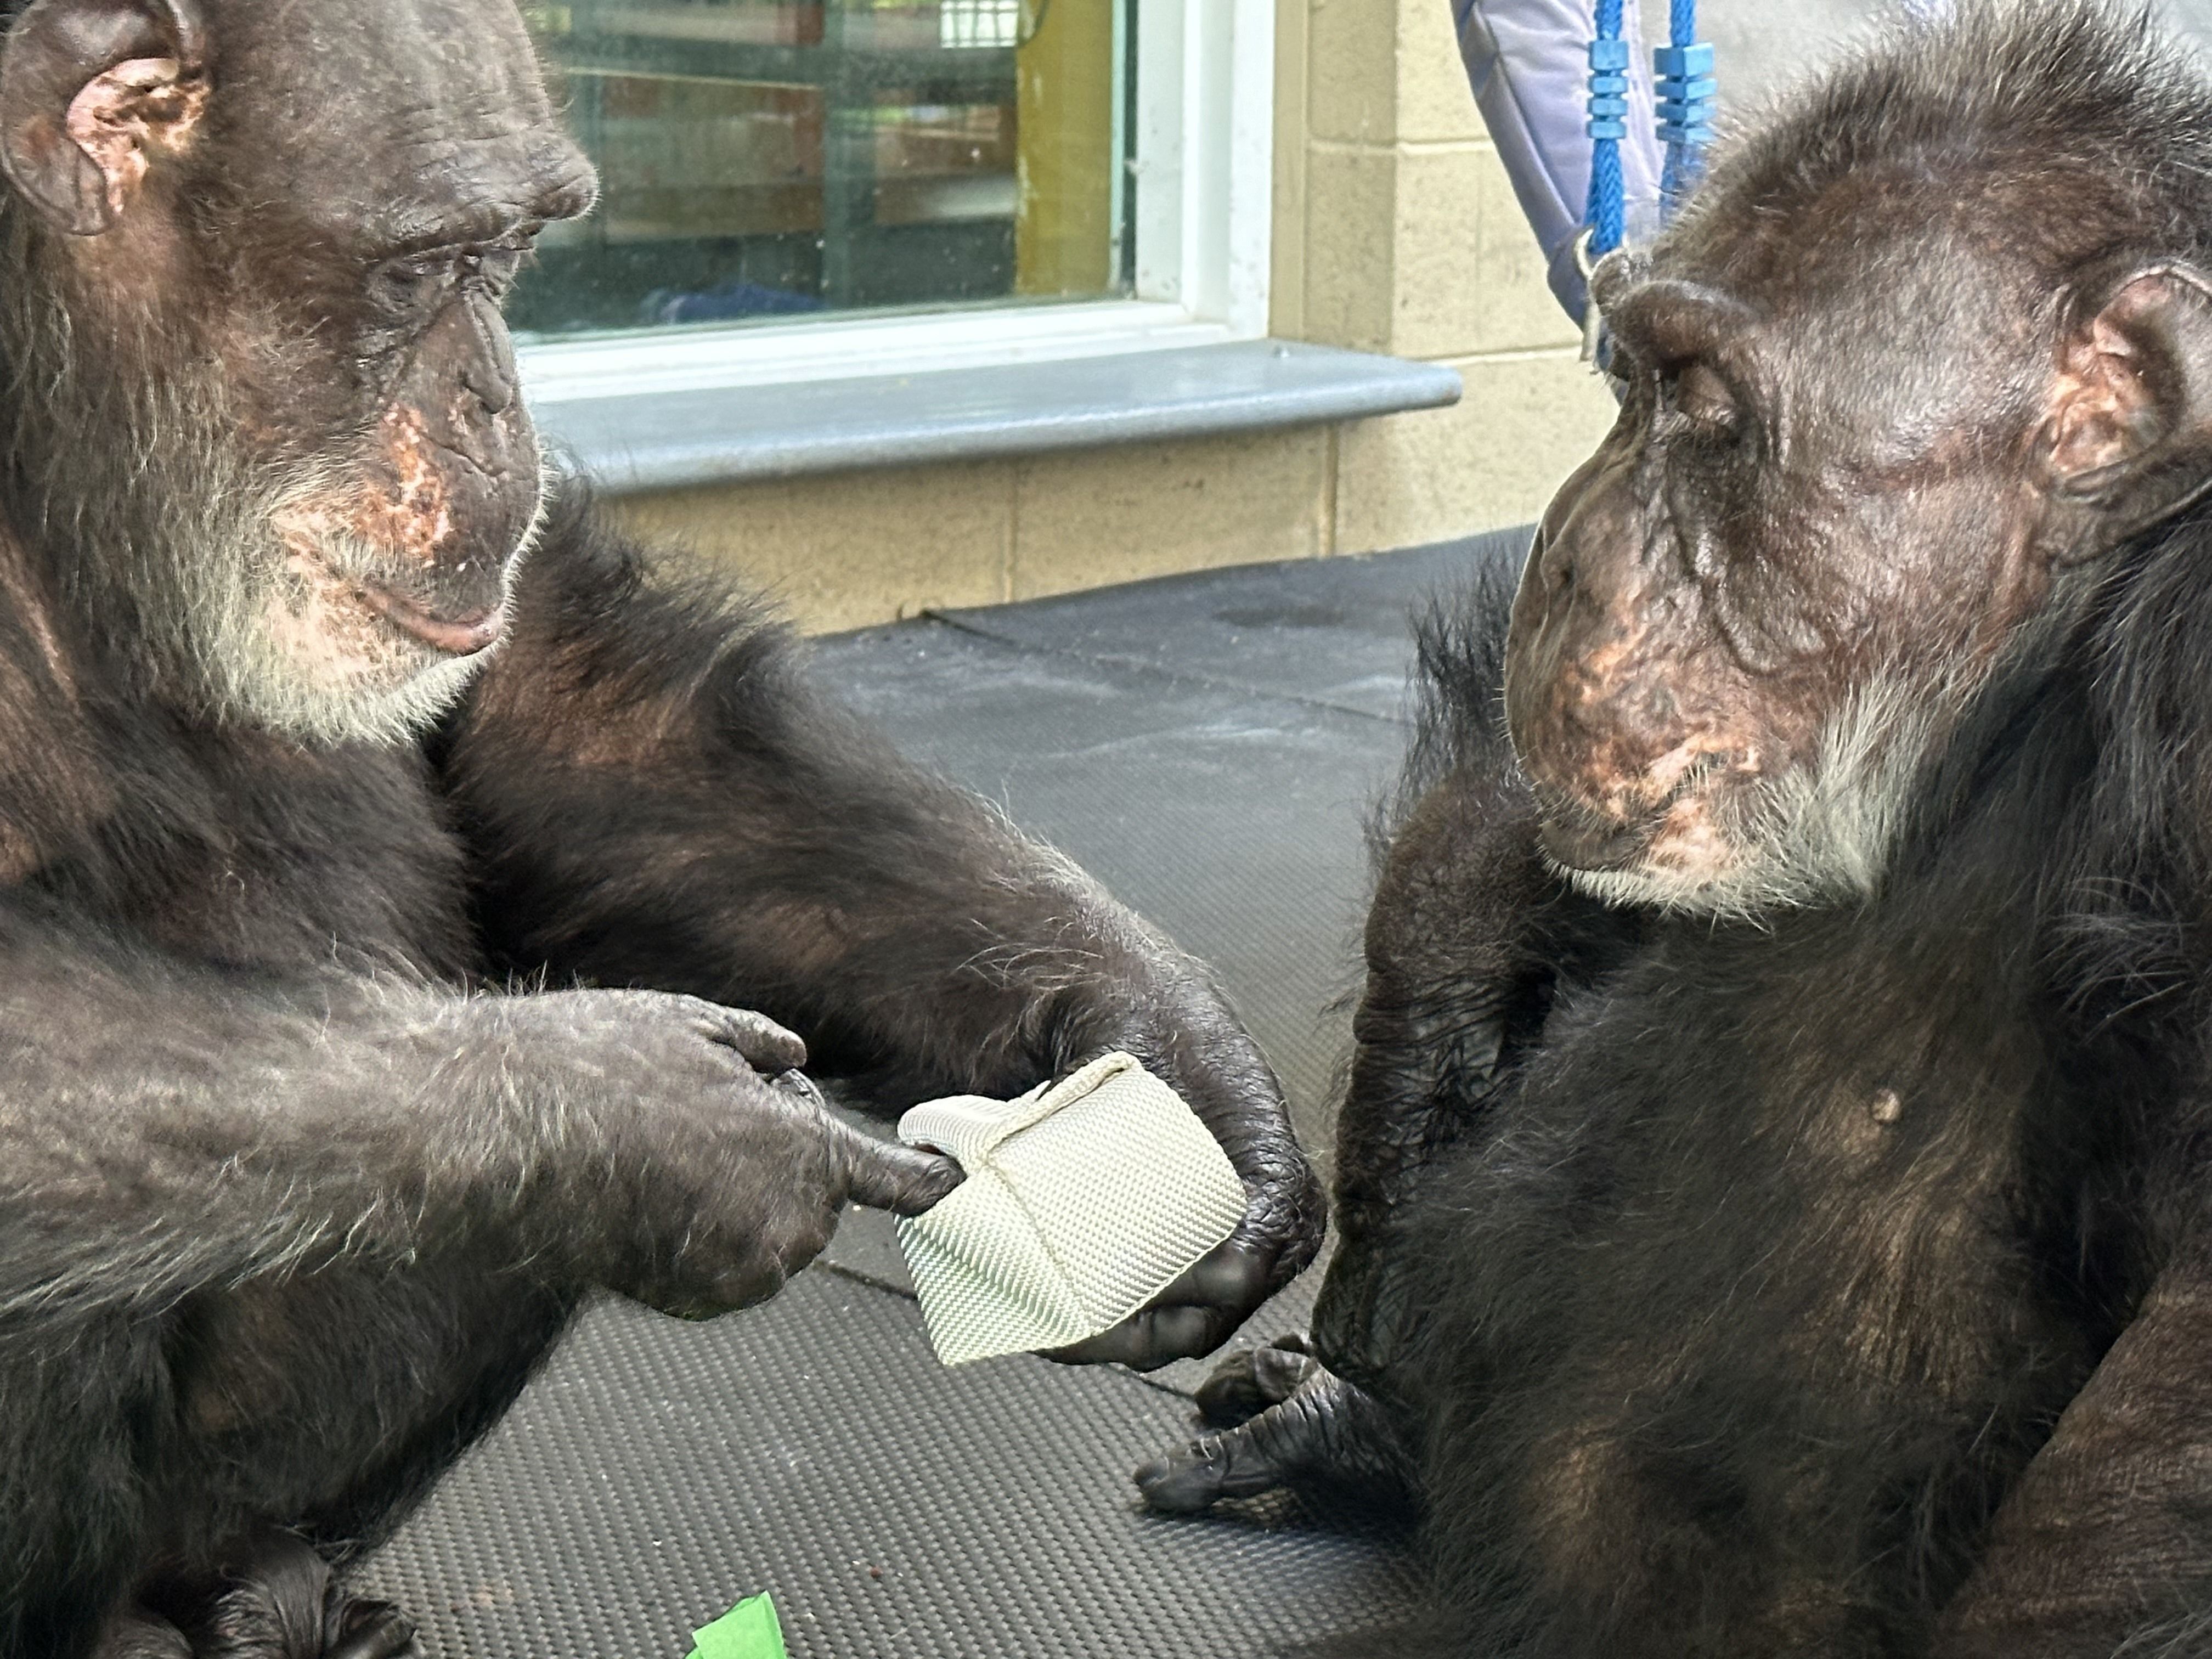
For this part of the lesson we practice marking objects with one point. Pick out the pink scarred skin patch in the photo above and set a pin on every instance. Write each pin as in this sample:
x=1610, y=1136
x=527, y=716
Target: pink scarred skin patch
x=117, y=114
x=410, y=519
x=416, y=517
x=338, y=628
x=324, y=626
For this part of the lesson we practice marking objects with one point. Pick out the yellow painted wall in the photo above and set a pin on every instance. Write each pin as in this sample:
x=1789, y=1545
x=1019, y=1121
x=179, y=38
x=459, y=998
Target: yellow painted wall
x=1064, y=149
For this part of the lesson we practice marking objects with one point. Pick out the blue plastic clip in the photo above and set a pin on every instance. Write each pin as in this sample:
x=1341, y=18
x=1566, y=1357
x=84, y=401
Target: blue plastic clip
x=1685, y=90
x=1683, y=62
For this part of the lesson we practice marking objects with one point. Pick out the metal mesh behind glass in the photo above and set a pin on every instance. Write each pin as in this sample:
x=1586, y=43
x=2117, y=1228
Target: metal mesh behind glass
x=769, y=159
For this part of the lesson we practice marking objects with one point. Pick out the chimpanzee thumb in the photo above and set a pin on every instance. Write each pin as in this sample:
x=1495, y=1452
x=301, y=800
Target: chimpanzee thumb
x=885, y=1176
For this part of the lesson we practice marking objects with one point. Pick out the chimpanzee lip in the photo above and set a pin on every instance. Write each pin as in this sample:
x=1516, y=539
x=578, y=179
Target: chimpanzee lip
x=1580, y=845
x=459, y=636
x=1578, y=836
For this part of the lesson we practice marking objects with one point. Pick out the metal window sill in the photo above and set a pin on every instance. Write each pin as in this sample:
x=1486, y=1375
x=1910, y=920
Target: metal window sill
x=633, y=443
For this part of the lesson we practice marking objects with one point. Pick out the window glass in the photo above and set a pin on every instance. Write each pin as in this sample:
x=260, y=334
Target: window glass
x=763, y=159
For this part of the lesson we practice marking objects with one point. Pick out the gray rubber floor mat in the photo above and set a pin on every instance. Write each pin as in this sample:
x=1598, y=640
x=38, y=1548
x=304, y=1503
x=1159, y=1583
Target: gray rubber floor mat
x=1231, y=818
x=1207, y=745
x=813, y=1448
x=1323, y=631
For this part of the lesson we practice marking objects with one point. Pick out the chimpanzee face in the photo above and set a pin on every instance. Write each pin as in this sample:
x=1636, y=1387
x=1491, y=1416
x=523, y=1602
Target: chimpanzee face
x=289, y=225
x=1856, y=442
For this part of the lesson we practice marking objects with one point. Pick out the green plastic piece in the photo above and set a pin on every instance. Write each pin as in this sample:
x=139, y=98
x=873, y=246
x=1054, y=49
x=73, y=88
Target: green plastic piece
x=748, y=1631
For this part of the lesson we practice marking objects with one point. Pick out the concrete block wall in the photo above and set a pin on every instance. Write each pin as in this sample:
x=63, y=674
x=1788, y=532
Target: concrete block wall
x=1412, y=244
x=847, y=550
x=1395, y=231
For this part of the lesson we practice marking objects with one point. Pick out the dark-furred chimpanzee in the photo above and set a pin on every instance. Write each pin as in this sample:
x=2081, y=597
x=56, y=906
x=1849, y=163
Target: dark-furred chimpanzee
x=303, y=758
x=1776, y=1182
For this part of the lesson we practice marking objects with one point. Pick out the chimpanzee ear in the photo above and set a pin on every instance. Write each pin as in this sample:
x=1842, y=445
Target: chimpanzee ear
x=2130, y=428
x=87, y=88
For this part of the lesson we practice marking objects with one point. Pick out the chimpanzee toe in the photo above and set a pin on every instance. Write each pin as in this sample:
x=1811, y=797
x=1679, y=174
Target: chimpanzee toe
x=365, y=1629
x=1245, y=1383
x=1184, y=1482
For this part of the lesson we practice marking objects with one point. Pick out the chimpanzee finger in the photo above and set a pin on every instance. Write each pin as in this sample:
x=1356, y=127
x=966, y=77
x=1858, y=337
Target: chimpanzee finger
x=763, y=1044
x=1151, y=1338
x=1230, y=1276
x=1246, y=1382
x=1329, y=1432
x=1195, y=1315
x=798, y=1083
x=883, y=1175
x=375, y=1631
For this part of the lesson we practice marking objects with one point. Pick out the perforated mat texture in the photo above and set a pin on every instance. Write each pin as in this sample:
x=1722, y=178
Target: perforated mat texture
x=1207, y=745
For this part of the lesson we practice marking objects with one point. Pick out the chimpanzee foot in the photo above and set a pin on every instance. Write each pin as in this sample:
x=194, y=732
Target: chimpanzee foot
x=280, y=1600
x=1328, y=1433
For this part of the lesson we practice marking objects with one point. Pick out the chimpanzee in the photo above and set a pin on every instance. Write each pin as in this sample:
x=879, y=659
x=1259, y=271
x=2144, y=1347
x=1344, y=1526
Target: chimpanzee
x=378, y=900
x=1775, y=1180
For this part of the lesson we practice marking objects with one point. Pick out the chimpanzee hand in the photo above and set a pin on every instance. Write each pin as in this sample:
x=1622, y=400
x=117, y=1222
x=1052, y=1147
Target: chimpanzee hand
x=1214, y=1066
x=735, y=1177
x=1195, y=1315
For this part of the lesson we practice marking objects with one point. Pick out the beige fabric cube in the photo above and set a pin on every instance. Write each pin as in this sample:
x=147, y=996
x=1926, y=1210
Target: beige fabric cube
x=1084, y=1198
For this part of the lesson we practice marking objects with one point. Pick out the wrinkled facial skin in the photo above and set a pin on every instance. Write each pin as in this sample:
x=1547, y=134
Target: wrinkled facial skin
x=355, y=186
x=1804, y=544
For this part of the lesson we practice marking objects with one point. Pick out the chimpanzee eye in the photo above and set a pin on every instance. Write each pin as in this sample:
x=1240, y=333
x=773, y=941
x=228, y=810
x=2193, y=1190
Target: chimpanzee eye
x=405, y=288
x=1699, y=396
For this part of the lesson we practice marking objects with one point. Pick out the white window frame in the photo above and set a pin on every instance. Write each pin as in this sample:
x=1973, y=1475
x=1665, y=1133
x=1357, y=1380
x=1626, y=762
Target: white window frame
x=1202, y=172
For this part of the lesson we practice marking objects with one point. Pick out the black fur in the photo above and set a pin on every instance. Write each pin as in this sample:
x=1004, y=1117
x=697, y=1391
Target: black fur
x=274, y=1245
x=1836, y=1282
x=345, y=1046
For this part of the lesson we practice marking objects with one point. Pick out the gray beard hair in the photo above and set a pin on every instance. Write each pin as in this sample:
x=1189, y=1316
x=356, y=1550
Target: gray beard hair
x=233, y=581
x=174, y=560
x=1824, y=833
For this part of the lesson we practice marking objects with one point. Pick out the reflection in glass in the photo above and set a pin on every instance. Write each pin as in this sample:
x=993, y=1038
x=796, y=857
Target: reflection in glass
x=763, y=160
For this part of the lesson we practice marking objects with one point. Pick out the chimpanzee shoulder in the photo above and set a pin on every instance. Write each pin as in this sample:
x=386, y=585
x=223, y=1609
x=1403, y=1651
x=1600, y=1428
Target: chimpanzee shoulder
x=1457, y=687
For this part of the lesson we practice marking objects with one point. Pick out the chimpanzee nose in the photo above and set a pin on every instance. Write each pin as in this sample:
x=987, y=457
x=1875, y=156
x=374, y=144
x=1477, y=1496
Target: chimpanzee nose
x=487, y=369
x=1555, y=561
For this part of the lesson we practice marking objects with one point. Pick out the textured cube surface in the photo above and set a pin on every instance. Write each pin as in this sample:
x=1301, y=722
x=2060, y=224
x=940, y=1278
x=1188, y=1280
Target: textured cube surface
x=1084, y=1198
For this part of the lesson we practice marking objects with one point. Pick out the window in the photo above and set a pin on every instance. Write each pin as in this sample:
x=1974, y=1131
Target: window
x=827, y=187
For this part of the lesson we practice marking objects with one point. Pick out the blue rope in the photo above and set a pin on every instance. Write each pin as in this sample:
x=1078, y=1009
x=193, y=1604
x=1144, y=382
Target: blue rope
x=1684, y=85
x=1608, y=125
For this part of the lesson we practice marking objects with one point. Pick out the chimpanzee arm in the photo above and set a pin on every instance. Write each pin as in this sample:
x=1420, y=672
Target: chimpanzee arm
x=2104, y=1544
x=1454, y=965
x=1467, y=937
x=659, y=796
x=166, y=1128
x=1466, y=941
